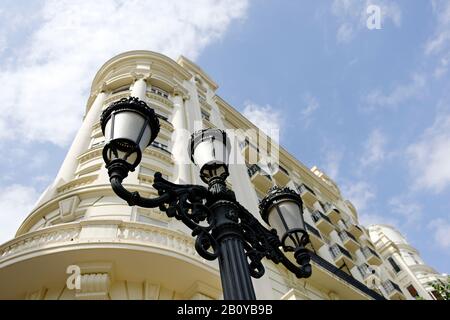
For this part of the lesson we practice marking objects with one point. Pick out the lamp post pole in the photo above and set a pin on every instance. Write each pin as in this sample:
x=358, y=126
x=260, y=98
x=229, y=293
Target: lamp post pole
x=232, y=235
x=234, y=271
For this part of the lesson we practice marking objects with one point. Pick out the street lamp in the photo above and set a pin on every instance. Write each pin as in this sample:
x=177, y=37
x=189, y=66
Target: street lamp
x=232, y=234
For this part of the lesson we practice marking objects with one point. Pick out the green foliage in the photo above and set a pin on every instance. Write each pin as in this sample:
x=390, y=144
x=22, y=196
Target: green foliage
x=443, y=288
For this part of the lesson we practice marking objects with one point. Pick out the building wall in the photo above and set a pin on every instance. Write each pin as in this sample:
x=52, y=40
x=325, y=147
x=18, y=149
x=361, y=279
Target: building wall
x=404, y=262
x=134, y=253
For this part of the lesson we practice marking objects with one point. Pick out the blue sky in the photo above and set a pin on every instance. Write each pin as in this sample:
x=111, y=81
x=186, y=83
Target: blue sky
x=369, y=107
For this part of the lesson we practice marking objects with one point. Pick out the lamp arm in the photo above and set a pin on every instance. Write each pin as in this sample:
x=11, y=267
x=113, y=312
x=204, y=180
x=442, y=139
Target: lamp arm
x=134, y=198
x=183, y=202
x=261, y=242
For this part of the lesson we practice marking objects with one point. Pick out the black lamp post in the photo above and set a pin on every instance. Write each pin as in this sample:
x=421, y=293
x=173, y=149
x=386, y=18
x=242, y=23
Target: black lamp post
x=233, y=235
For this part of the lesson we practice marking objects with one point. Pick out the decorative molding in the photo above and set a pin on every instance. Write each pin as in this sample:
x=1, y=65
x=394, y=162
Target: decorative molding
x=60, y=235
x=158, y=153
x=82, y=181
x=151, y=291
x=161, y=236
x=67, y=208
x=180, y=91
x=94, y=286
x=295, y=294
x=115, y=97
x=93, y=153
x=156, y=97
x=201, y=291
x=36, y=295
x=141, y=73
x=127, y=232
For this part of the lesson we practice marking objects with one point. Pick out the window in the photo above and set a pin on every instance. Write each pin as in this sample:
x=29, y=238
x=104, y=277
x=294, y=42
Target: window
x=412, y=291
x=394, y=265
x=437, y=295
x=205, y=115
x=160, y=146
x=159, y=92
x=97, y=141
x=201, y=98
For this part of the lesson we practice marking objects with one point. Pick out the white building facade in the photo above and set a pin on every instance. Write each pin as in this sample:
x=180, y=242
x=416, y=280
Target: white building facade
x=127, y=252
x=405, y=264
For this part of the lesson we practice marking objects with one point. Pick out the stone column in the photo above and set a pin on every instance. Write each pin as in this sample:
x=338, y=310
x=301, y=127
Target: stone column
x=139, y=88
x=180, y=141
x=79, y=145
x=82, y=140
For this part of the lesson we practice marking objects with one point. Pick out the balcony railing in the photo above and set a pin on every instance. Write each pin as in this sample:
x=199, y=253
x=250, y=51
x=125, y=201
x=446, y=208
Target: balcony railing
x=304, y=188
x=246, y=143
x=254, y=169
x=313, y=230
x=161, y=146
x=162, y=117
x=336, y=251
x=329, y=207
x=368, y=252
x=345, y=277
x=391, y=286
x=365, y=270
x=283, y=170
x=345, y=235
x=159, y=92
x=317, y=215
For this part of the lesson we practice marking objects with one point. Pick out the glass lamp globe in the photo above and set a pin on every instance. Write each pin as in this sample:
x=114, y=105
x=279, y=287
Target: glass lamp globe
x=129, y=126
x=210, y=151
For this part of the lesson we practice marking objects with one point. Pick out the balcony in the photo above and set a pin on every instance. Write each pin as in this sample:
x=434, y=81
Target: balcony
x=349, y=241
x=282, y=176
x=365, y=271
x=322, y=222
x=369, y=275
x=307, y=194
x=315, y=237
x=371, y=256
x=393, y=290
x=161, y=146
x=332, y=212
x=341, y=256
x=249, y=151
x=355, y=230
x=259, y=179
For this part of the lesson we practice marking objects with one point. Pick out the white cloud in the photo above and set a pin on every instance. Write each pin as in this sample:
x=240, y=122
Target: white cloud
x=441, y=36
x=374, y=149
x=345, y=33
x=44, y=91
x=368, y=219
x=441, y=232
x=360, y=194
x=409, y=211
x=429, y=157
x=16, y=202
x=311, y=105
x=266, y=118
x=398, y=95
x=352, y=16
x=307, y=112
x=439, y=43
x=332, y=162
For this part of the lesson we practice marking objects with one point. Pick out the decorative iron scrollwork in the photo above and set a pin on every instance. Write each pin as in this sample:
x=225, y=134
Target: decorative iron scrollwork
x=188, y=203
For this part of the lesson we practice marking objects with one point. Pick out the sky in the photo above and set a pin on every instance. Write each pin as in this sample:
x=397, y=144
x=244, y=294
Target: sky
x=370, y=107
